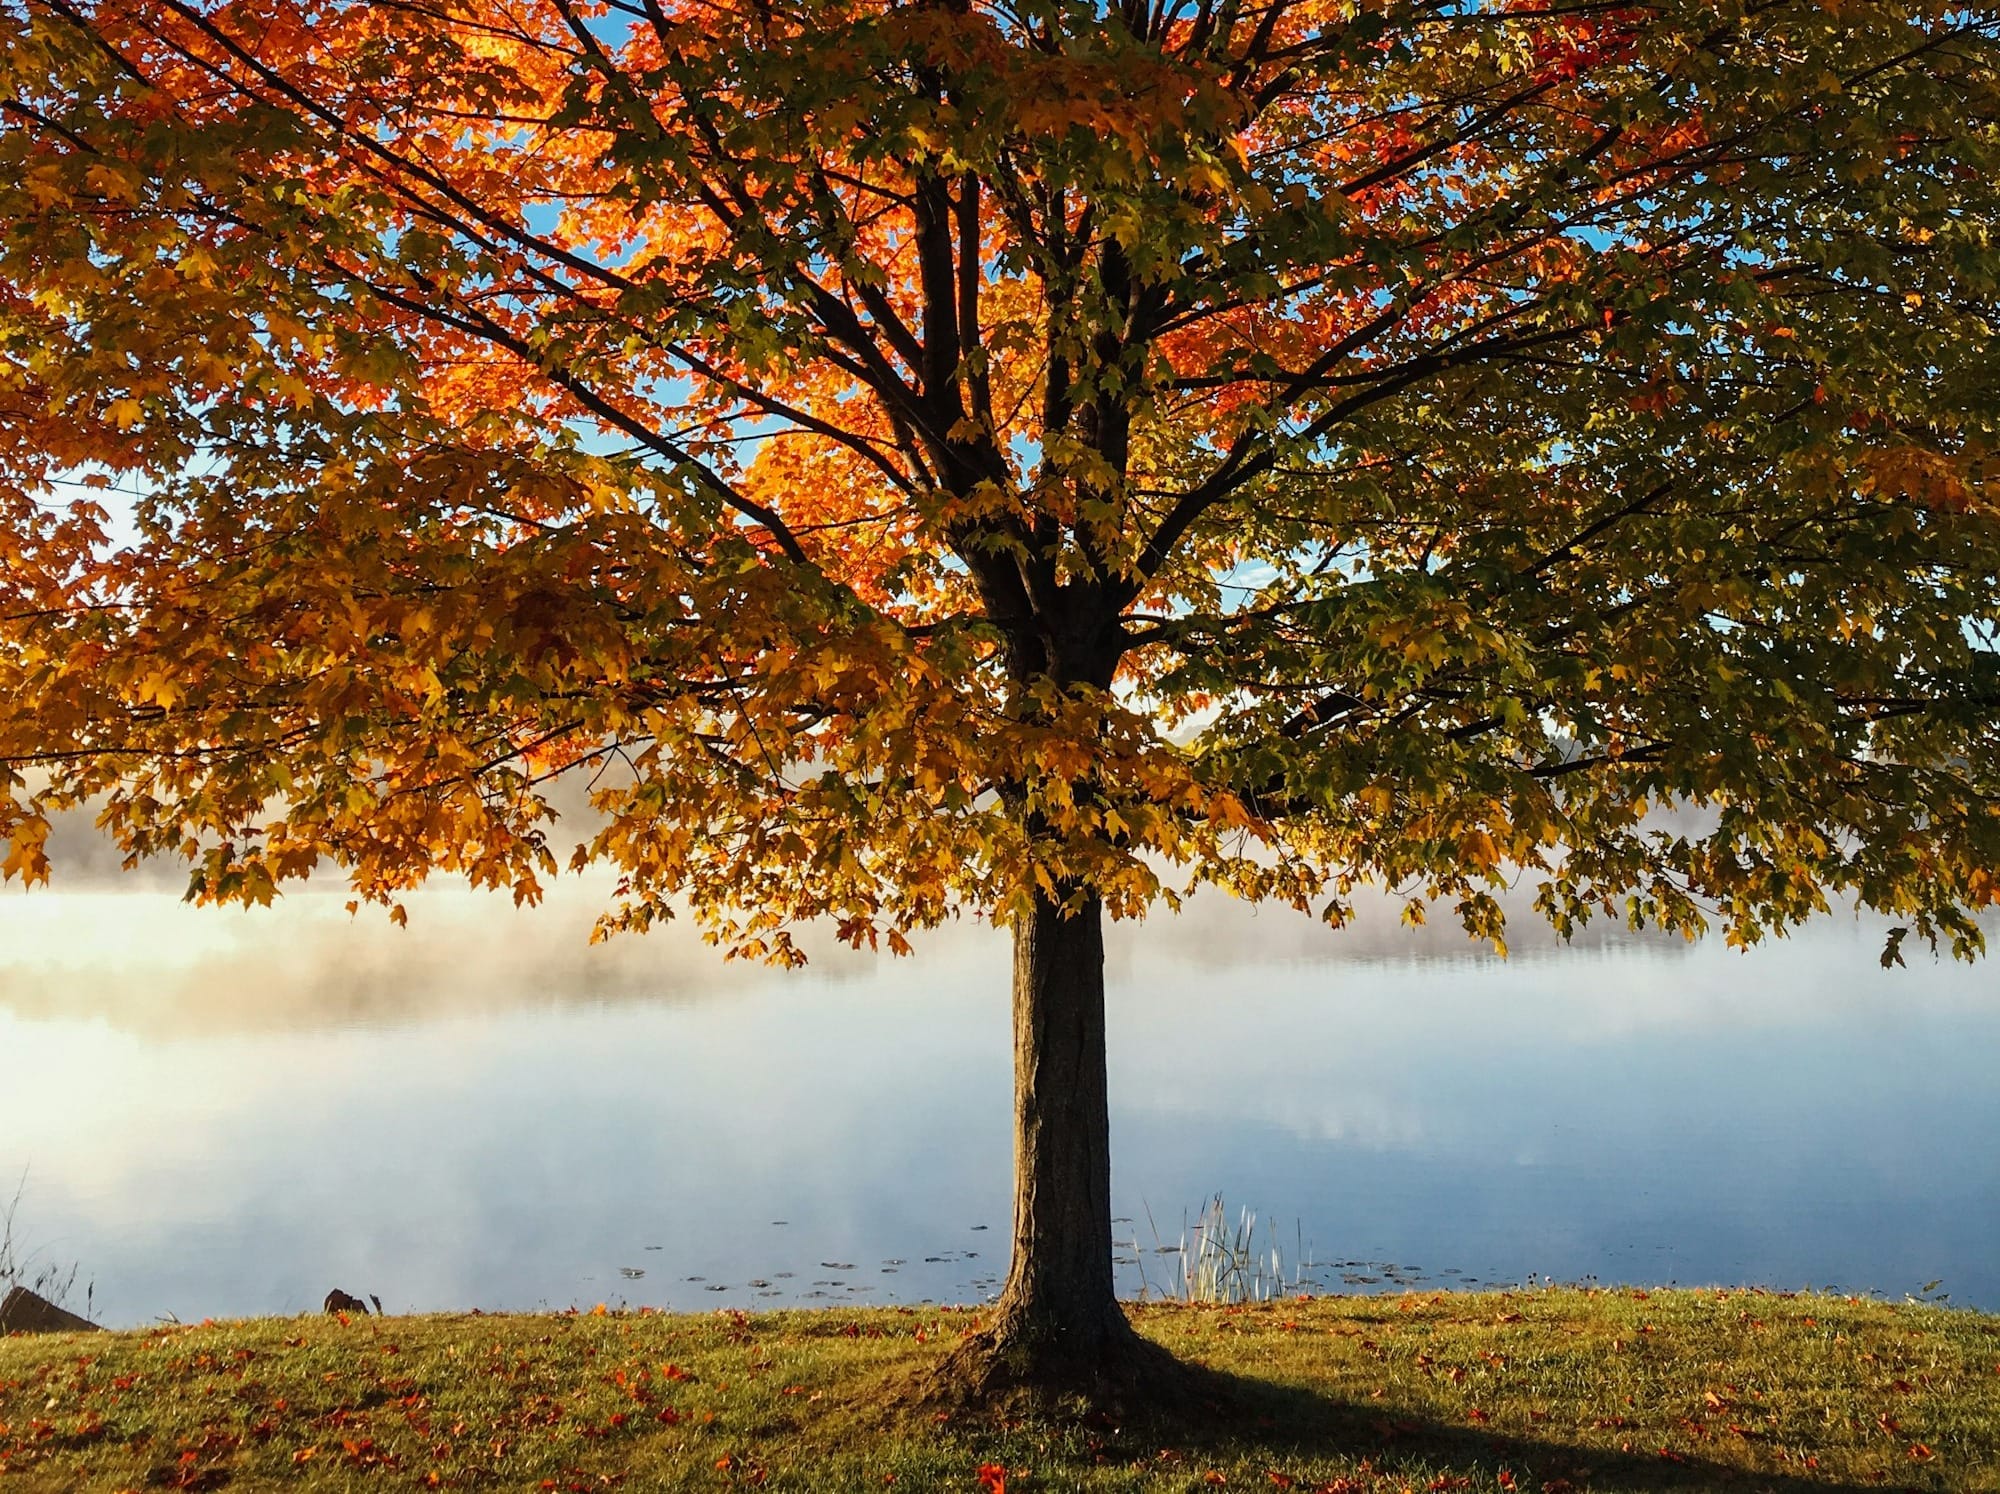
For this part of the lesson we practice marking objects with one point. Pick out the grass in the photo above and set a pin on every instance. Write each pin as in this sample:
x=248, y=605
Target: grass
x=1217, y=1263
x=1551, y=1391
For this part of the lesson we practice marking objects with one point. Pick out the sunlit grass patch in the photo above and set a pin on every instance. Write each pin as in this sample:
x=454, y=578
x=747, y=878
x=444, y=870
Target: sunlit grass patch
x=1542, y=1390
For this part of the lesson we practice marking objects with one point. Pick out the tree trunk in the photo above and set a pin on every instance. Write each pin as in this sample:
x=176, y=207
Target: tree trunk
x=1059, y=1299
x=1058, y=1326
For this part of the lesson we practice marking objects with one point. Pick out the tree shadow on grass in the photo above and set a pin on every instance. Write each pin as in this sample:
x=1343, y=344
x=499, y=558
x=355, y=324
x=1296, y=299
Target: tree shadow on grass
x=1289, y=1424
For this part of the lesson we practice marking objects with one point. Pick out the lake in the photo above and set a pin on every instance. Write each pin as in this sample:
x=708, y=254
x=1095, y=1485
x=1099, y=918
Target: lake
x=222, y=1112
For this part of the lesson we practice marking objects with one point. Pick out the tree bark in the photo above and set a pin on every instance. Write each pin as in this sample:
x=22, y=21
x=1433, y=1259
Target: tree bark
x=1058, y=1326
x=1059, y=1299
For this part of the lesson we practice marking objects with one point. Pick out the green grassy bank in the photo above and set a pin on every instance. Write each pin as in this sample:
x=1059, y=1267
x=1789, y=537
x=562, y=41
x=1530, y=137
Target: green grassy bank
x=1553, y=1391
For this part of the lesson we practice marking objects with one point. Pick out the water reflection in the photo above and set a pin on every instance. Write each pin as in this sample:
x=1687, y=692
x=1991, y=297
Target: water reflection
x=228, y=1112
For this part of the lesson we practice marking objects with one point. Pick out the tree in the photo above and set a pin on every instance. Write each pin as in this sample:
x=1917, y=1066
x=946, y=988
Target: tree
x=1021, y=458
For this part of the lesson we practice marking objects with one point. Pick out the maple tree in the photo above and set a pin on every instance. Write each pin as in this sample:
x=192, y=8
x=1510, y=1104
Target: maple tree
x=1024, y=458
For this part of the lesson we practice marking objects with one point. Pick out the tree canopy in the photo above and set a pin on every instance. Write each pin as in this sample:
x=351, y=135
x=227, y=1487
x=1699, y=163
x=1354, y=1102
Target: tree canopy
x=935, y=456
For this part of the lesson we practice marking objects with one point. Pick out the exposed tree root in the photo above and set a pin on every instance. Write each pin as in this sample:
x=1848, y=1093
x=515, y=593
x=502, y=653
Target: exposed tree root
x=1012, y=1370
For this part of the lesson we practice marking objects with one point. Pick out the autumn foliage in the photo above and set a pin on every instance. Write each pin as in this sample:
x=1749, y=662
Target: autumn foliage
x=920, y=457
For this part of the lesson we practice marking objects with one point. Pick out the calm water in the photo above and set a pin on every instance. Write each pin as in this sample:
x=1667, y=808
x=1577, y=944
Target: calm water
x=224, y=1113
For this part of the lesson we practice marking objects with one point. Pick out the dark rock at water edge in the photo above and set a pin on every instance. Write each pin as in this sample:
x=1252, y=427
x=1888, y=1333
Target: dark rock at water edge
x=22, y=1311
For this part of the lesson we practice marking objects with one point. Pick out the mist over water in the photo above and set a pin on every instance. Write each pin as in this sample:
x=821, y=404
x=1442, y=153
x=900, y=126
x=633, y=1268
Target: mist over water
x=225, y=1112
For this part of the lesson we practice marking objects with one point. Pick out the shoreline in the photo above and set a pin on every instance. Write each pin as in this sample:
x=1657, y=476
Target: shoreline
x=1552, y=1389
